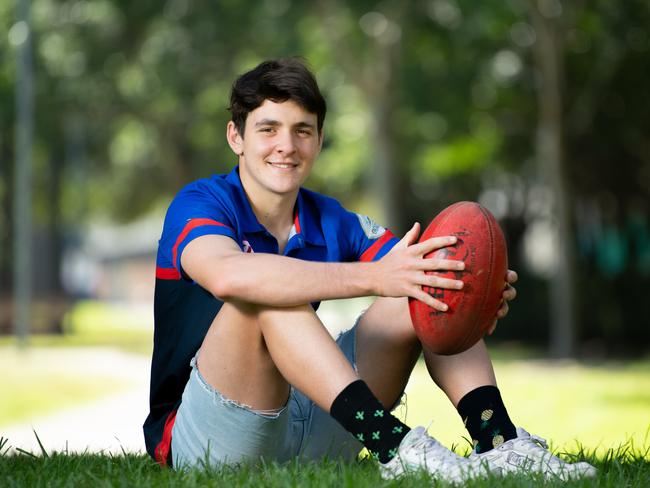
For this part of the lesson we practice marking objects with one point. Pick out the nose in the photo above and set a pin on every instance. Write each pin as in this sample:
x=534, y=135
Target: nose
x=285, y=143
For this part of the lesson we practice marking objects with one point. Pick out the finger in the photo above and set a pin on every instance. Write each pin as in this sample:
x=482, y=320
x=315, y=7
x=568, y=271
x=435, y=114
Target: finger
x=410, y=237
x=427, y=299
x=492, y=327
x=433, y=243
x=434, y=281
x=503, y=310
x=509, y=293
x=511, y=276
x=441, y=265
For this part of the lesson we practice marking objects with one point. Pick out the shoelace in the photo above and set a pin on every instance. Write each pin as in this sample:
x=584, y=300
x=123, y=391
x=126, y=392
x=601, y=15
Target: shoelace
x=537, y=443
x=430, y=445
x=538, y=440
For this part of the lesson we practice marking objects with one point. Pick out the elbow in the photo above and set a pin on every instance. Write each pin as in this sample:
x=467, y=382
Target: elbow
x=223, y=289
x=221, y=279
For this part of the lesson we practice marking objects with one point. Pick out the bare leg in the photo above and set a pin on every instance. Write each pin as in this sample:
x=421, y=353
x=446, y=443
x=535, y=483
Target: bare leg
x=251, y=354
x=461, y=373
x=387, y=350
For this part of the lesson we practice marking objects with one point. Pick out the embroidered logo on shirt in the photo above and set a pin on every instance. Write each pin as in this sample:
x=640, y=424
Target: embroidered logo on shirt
x=372, y=229
x=247, y=247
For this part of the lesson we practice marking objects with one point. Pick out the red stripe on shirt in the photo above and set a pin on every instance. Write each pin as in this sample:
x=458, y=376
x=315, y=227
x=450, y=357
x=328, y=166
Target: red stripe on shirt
x=372, y=251
x=296, y=223
x=192, y=224
x=167, y=274
x=162, y=449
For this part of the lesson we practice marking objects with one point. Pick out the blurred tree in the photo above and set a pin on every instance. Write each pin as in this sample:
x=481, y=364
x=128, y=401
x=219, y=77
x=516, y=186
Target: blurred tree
x=368, y=51
x=551, y=160
x=430, y=102
x=470, y=86
x=607, y=134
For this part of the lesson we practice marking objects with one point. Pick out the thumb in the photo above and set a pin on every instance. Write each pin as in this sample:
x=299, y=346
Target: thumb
x=411, y=236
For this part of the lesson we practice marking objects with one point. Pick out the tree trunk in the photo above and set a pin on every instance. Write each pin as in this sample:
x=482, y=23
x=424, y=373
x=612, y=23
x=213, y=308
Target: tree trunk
x=548, y=58
x=383, y=168
x=6, y=232
x=22, y=191
x=375, y=78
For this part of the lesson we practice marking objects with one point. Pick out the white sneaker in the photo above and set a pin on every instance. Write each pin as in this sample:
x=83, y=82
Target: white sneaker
x=528, y=453
x=419, y=451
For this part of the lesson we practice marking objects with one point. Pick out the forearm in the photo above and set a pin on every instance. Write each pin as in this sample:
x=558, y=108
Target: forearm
x=217, y=264
x=281, y=281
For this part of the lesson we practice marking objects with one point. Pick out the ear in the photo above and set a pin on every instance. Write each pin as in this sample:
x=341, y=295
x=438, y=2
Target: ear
x=235, y=141
x=321, y=138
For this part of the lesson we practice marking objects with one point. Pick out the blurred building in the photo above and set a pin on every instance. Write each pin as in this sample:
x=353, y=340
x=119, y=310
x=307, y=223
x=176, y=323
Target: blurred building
x=114, y=262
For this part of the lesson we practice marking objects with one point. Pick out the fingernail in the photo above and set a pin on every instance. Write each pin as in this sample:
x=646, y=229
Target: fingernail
x=461, y=265
x=459, y=284
x=444, y=307
x=452, y=240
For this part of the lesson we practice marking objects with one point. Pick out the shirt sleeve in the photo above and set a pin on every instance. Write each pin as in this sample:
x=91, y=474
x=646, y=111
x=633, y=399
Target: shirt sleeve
x=196, y=211
x=368, y=240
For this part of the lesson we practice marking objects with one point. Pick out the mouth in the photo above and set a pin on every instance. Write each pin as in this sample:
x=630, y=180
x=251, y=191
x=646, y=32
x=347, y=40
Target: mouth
x=282, y=165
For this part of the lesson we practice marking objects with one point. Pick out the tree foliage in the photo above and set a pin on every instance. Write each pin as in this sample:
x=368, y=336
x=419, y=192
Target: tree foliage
x=431, y=102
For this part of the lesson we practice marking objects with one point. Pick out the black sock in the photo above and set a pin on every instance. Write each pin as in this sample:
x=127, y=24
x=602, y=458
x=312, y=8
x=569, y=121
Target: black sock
x=486, y=418
x=361, y=414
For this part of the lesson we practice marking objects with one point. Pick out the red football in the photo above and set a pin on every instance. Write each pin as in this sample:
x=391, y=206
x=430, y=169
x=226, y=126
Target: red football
x=472, y=309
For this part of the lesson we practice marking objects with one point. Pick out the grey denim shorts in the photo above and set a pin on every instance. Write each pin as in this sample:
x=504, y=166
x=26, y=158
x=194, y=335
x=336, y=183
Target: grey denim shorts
x=212, y=429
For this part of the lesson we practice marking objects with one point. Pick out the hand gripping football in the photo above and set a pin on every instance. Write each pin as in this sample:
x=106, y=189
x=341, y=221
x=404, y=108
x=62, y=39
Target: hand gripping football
x=472, y=309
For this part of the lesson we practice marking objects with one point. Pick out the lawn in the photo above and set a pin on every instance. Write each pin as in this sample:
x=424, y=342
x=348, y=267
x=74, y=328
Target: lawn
x=597, y=411
x=619, y=469
x=59, y=371
x=600, y=406
x=60, y=391
x=100, y=324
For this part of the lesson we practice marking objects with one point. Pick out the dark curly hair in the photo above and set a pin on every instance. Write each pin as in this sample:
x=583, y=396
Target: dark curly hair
x=276, y=80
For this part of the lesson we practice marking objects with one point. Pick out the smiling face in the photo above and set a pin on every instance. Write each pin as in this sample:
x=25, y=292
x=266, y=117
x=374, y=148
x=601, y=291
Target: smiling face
x=276, y=154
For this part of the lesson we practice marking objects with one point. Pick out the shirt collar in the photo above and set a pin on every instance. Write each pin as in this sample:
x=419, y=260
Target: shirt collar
x=247, y=220
x=308, y=220
x=306, y=216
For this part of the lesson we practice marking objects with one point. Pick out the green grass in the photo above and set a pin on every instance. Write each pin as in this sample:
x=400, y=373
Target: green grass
x=602, y=405
x=43, y=379
x=49, y=392
x=99, y=324
x=617, y=468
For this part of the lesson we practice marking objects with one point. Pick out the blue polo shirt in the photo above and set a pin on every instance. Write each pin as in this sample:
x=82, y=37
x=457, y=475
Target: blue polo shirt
x=183, y=311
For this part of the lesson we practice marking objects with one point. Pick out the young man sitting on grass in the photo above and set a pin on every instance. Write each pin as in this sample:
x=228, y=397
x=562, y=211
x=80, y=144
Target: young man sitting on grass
x=244, y=369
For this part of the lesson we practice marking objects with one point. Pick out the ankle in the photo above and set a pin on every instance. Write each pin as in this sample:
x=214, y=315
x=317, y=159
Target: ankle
x=486, y=418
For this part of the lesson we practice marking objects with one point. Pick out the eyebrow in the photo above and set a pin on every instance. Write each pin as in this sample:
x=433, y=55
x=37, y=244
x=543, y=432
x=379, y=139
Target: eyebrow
x=275, y=123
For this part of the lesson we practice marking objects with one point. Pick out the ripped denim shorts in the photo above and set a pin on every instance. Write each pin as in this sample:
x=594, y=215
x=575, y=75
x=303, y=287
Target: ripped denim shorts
x=212, y=429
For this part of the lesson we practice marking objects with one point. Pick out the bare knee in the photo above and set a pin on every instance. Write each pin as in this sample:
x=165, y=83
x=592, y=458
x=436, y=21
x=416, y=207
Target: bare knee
x=389, y=319
x=234, y=358
x=266, y=315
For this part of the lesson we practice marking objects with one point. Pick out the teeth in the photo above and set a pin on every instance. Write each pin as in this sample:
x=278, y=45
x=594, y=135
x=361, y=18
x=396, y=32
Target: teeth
x=282, y=165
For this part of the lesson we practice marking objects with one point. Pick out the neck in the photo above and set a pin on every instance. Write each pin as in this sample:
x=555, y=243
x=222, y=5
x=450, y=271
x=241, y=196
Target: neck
x=274, y=211
x=276, y=214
